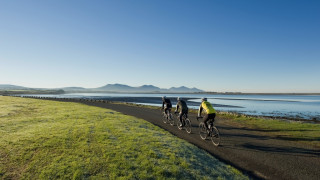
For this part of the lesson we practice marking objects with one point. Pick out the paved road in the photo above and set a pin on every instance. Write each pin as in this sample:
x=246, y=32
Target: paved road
x=254, y=152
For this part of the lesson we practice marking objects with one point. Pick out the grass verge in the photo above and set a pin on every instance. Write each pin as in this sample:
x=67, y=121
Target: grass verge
x=302, y=132
x=58, y=140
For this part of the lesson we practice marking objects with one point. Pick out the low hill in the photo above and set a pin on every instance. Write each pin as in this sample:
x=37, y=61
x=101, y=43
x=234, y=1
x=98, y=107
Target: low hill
x=184, y=89
x=115, y=88
x=12, y=87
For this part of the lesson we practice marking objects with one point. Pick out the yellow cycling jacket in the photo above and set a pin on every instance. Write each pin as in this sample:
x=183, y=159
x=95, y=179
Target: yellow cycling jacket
x=207, y=107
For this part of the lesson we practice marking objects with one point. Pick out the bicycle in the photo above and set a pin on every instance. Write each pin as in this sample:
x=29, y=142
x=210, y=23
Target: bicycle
x=167, y=118
x=185, y=121
x=213, y=132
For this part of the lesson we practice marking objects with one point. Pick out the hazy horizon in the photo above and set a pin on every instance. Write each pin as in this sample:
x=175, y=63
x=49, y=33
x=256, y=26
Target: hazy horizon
x=221, y=46
x=89, y=88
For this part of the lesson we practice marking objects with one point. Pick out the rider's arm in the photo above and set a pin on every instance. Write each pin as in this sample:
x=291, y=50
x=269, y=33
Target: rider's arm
x=200, y=110
x=177, y=108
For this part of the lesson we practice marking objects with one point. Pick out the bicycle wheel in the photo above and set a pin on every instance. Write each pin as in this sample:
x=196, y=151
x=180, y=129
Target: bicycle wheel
x=170, y=119
x=202, y=131
x=188, y=125
x=164, y=118
x=215, y=136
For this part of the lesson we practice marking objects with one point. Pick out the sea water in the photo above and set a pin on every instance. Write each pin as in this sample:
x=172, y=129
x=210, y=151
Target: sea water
x=290, y=106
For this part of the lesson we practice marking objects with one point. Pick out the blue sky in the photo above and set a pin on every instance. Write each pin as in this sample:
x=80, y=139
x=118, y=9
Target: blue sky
x=247, y=46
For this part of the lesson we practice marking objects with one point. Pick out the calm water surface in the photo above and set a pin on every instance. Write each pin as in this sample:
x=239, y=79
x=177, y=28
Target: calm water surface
x=294, y=106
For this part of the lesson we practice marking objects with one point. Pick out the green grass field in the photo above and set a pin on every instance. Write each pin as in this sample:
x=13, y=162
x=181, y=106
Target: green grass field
x=42, y=139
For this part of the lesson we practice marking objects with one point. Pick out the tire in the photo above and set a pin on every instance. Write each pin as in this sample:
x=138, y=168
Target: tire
x=170, y=119
x=164, y=118
x=215, y=136
x=187, y=125
x=202, y=131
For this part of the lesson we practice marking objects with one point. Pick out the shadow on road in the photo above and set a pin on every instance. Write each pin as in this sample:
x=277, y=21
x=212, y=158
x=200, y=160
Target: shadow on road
x=279, y=137
x=284, y=150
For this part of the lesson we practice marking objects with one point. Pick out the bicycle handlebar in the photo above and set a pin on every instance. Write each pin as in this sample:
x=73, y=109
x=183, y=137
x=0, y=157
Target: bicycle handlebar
x=199, y=118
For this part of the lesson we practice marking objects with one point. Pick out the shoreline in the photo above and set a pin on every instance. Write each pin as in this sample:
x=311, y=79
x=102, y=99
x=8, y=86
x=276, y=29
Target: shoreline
x=60, y=91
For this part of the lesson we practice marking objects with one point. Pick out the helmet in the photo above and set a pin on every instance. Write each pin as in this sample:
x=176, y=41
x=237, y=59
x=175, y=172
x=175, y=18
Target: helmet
x=203, y=99
x=163, y=97
x=178, y=98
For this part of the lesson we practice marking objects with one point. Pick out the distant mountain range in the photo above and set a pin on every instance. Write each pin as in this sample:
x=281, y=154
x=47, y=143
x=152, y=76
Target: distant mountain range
x=122, y=88
x=12, y=87
x=140, y=89
x=144, y=88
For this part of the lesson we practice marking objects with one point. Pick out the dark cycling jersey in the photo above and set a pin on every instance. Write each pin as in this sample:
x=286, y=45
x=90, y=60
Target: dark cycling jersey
x=182, y=105
x=166, y=102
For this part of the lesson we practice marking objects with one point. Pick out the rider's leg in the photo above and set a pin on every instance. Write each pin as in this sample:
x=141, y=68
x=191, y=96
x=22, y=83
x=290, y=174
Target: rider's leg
x=180, y=119
x=210, y=117
x=213, y=116
x=166, y=111
x=184, y=113
x=205, y=121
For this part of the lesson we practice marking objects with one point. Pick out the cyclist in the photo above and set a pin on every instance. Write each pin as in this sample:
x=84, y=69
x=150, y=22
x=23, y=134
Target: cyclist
x=183, y=109
x=167, y=102
x=210, y=111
